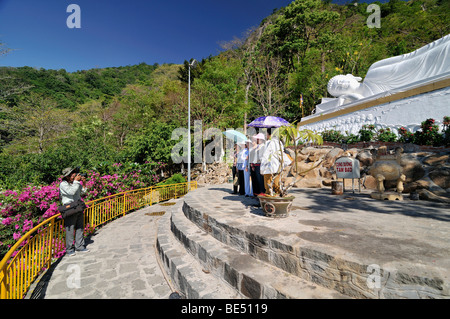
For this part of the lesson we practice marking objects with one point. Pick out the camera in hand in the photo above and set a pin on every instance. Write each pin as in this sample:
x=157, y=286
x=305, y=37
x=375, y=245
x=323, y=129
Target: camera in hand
x=77, y=170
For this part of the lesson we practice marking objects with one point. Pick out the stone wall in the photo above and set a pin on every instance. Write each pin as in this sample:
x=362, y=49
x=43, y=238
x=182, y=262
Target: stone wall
x=215, y=173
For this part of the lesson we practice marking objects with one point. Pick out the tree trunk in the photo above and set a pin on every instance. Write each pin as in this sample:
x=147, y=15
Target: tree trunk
x=41, y=140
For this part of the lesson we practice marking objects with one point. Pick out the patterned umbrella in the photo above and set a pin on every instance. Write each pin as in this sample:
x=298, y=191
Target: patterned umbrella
x=269, y=121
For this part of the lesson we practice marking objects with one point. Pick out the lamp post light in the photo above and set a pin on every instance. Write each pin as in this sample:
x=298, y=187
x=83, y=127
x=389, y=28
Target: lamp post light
x=192, y=64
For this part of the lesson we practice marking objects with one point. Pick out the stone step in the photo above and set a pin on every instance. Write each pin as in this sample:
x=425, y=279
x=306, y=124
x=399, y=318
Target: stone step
x=354, y=245
x=187, y=275
x=251, y=277
x=252, y=240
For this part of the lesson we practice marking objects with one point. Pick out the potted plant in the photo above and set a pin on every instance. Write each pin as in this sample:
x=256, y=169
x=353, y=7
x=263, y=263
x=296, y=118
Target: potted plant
x=279, y=204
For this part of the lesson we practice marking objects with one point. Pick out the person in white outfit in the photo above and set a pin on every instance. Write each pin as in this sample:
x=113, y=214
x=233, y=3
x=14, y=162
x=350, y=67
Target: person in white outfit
x=270, y=164
x=248, y=185
x=245, y=188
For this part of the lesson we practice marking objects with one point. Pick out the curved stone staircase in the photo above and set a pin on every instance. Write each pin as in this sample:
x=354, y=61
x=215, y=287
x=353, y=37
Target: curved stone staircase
x=219, y=266
x=217, y=245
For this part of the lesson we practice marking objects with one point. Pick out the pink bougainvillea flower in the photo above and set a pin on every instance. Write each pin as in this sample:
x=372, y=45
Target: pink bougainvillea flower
x=43, y=205
x=7, y=221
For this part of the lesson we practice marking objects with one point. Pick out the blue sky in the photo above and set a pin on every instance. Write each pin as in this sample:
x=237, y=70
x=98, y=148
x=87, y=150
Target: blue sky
x=119, y=32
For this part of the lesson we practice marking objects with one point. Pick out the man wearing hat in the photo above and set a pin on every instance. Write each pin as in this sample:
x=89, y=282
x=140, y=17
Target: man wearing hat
x=70, y=190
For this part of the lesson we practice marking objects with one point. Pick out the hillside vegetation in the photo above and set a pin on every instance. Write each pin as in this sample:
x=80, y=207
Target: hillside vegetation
x=51, y=119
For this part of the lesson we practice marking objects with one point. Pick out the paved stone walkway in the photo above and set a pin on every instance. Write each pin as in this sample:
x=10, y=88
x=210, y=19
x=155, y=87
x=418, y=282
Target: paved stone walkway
x=121, y=263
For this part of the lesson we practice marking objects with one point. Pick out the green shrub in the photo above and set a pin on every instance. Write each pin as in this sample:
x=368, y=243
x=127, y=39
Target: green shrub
x=332, y=136
x=386, y=135
x=350, y=138
x=175, y=179
x=366, y=133
x=428, y=134
x=405, y=136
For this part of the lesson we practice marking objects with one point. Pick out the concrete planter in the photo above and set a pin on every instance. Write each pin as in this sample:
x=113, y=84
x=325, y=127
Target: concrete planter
x=276, y=206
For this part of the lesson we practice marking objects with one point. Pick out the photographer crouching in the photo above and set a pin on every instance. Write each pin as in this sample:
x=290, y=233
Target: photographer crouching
x=72, y=209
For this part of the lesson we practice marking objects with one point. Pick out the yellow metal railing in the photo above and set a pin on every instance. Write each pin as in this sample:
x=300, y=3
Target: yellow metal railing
x=41, y=246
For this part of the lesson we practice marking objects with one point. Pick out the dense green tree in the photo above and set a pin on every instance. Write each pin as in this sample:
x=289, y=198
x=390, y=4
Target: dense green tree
x=304, y=24
x=218, y=94
x=153, y=144
x=72, y=89
x=183, y=72
x=35, y=123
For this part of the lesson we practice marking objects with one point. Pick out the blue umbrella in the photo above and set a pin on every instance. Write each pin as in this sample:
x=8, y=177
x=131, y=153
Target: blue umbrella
x=235, y=135
x=269, y=121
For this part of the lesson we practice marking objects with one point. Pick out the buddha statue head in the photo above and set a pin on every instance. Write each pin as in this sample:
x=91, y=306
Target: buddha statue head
x=343, y=85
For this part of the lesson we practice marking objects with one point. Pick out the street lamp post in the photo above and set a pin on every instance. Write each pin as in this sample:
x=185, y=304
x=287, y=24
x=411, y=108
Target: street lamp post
x=192, y=64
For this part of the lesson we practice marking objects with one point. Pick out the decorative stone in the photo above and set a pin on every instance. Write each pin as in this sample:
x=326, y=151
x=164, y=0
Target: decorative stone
x=427, y=195
x=370, y=182
x=420, y=184
x=441, y=177
x=325, y=173
x=365, y=158
x=387, y=167
x=317, y=154
x=386, y=196
x=437, y=160
x=301, y=168
x=412, y=168
x=331, y=157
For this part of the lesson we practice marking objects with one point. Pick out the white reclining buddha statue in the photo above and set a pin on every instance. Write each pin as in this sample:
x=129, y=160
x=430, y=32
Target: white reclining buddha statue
x=426, y=64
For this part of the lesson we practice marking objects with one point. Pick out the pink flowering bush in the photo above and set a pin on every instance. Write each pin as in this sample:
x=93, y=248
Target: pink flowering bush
x=21, y=210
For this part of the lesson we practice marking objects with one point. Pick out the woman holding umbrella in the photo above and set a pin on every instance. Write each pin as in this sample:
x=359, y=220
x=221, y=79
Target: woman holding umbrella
x=239, y=138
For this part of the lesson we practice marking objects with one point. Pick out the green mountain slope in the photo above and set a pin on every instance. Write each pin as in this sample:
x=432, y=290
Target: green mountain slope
x=50, y=119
